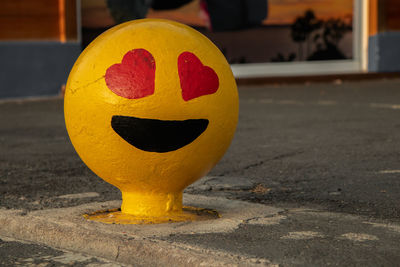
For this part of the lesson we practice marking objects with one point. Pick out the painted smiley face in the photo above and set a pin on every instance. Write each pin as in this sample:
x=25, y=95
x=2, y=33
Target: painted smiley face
x=151, y=105
x=134, y=77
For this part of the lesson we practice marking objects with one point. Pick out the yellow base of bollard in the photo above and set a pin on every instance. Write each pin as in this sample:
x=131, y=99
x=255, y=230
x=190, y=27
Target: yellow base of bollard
x=115, y=216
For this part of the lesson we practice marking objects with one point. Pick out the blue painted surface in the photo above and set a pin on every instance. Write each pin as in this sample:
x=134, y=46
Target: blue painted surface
x=384, y=52
x=35, y=68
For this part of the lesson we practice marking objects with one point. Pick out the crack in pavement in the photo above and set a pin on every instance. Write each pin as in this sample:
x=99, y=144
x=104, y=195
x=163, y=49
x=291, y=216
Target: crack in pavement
x=259, y=163
x=118, y=248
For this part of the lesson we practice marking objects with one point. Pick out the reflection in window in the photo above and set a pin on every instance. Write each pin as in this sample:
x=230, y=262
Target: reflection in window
x=245, y=31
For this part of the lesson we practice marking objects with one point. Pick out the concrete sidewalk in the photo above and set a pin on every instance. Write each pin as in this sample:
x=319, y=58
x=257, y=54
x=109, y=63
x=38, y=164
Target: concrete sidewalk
x=311, y=179
x=247, y=234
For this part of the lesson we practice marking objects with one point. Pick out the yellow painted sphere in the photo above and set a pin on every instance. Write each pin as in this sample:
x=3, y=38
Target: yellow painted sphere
x=151, y=106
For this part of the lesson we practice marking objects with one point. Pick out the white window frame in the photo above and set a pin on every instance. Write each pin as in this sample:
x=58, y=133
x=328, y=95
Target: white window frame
x=358, y=64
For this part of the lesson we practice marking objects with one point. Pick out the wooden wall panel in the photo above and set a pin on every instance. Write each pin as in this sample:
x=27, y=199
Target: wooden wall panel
x=37, y=20
x=373, y=17
x=71, y=30
x=392, y=15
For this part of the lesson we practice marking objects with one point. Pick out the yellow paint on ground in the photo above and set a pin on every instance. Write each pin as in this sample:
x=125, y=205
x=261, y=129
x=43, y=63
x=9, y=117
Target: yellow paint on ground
x=115, y=216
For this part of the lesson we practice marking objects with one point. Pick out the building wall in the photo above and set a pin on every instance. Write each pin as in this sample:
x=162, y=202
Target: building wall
x=384, y=36
x=38, y=45
x=35, y=68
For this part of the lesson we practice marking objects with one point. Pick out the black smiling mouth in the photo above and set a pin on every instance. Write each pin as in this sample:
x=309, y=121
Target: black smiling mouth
x=158, y=135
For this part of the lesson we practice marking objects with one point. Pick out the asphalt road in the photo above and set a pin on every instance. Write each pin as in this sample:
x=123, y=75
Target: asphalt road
x=21, y=253
x=332, y=146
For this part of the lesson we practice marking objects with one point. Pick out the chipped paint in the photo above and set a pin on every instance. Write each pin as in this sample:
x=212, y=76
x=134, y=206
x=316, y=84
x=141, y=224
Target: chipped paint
x=358, y=237
x=267, y=220
x=326, y=103
x=301, y=235
x=391, y=227
x=384, y=105
x=389, y=171
x=80, y=195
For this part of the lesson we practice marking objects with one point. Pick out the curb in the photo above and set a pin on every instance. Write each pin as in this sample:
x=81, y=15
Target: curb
x=137, y=245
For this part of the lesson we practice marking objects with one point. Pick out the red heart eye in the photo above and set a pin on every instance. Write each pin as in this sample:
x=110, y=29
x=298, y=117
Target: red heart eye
x=196, y=79
x=134, y=77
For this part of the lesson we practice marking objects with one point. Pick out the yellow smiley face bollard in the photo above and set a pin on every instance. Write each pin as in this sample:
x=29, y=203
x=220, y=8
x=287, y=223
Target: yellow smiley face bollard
x=150, y=106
